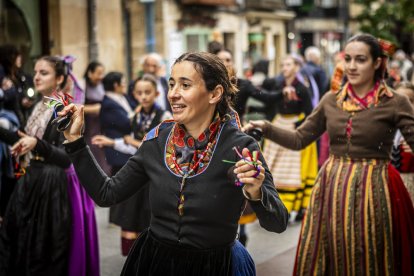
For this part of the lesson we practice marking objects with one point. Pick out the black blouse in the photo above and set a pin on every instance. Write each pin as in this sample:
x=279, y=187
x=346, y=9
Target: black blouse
x=213, y=203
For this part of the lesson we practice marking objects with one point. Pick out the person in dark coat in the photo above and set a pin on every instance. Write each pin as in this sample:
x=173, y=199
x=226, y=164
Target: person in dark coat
x=200, y=169
x=49, y=227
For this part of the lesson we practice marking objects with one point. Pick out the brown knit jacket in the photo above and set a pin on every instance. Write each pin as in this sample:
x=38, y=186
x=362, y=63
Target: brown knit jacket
x=372, y=133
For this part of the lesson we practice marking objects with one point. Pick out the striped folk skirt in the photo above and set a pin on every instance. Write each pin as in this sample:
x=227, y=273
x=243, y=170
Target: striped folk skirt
x=408, y=179
x=359, y=222
x=293, y=172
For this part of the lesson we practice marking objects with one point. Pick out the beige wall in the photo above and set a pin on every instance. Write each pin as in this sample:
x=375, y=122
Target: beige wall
x=110, y=35
x=272, y=24
x=136, y=10
x=68, y=31
x=232, y=23
x=138, y=32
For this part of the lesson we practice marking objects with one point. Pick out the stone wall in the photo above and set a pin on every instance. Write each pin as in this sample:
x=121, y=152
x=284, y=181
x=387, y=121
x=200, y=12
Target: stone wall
x=68, y=32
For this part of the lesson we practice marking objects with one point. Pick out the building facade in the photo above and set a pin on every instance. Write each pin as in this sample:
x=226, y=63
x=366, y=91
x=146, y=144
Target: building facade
x=120, y=32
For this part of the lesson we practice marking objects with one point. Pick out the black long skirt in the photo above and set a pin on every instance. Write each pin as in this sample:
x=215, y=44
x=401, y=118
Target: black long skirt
x=35, y=235
x=151, y=256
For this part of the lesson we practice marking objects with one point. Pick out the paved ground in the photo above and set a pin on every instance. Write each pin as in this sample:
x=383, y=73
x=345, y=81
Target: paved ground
x=273, y=253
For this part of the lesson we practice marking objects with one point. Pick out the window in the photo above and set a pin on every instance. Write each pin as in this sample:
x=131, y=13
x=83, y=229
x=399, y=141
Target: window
x=196, y=39
x=291, y=3
x=329, y=3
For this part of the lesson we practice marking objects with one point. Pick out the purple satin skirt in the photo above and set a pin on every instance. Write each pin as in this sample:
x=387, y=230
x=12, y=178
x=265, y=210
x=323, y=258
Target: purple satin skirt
x=84, y=250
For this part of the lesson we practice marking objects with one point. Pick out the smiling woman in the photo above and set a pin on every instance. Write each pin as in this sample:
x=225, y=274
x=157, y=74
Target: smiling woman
x=196, y=199
x=192, y=105
x=359, y=218
x=49, y=226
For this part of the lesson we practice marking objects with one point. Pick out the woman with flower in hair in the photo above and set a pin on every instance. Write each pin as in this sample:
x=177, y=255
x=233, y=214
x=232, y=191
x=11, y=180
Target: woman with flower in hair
x=199, y=169
x=359, y=219
x=49, y=227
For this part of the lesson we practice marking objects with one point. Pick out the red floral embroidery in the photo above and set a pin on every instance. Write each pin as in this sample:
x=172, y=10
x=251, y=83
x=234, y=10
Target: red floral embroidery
x=213, y=129
x=202, y=137
x=214, y=126
x=184, y=144
x=190, y=142
x=178, y=138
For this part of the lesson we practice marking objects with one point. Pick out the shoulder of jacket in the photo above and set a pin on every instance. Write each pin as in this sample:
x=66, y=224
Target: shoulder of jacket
x=153, y=133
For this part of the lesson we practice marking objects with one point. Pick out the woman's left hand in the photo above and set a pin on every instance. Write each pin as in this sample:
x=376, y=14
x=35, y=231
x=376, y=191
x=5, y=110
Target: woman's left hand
x=24, y=145
x=102, y=141
x=250, y=176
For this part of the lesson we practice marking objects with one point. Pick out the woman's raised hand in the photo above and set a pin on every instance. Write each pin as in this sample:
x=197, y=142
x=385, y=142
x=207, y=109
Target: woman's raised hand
x=76, y=127
x=254, y=124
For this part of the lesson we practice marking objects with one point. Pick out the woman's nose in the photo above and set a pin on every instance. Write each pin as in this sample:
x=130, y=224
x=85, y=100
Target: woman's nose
x=173, y=92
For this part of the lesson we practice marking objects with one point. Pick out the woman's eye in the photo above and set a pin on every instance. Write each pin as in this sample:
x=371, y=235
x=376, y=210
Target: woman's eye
x=185, y=85
x=171, y=85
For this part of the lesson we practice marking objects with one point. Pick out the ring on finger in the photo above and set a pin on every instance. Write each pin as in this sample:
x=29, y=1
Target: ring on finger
x=257, y=172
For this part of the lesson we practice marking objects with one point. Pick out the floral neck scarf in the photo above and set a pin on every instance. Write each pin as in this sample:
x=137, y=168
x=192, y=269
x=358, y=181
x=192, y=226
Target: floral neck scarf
x=187, y=154
x=349, y=101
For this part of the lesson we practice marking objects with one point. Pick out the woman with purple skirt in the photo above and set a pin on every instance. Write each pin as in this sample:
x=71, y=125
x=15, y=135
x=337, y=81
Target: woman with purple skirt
x=49, y=227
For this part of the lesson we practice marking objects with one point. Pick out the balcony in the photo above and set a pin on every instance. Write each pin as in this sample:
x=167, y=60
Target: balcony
x=265, y=4
x=209, y=2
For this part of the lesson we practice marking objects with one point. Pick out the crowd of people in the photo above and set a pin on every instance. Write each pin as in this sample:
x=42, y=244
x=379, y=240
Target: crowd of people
x=183, y=170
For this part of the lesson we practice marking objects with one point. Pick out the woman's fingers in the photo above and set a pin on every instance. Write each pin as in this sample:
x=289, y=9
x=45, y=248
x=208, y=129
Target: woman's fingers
x=250, y=173
x=69, y=108
x=21, y=134
x=246, y=167
x=249, y=126
x=242, y=166
x=253, y=173
x=97, y=140
x=75, y=129
x=16, y=146
x=24, y=145
x=258, y=123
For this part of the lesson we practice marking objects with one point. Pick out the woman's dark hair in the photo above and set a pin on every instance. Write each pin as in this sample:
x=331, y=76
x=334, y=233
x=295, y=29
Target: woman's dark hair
x=147, y=77
x=60, y=66
x=374, y=49
x=214, y=73
x=111, y=79
x=262, y=66
x=214, y=47
x=90, y=69
x=8, y=56
x=224, y=50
